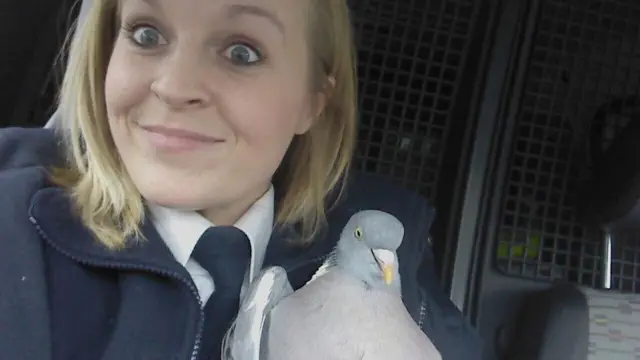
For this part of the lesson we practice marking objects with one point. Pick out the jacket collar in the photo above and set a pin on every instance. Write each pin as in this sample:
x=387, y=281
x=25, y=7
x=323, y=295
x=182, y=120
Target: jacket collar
x=52, y=213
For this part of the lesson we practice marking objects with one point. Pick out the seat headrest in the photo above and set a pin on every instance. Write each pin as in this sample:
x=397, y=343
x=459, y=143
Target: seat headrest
x=84, y=8
x=572, y=322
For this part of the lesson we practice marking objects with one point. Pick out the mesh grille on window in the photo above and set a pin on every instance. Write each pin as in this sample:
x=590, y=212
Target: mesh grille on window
x=585, y=55
x=411, y=56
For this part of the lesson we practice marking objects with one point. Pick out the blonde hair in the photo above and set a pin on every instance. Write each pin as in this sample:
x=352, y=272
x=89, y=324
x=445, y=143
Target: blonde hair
x=317, y=163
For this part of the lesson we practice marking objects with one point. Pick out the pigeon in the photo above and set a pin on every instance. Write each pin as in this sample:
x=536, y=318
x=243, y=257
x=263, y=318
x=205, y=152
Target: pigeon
x=351, y=309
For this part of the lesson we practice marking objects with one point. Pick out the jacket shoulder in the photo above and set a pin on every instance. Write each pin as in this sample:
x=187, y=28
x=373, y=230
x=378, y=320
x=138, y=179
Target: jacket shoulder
x=19, y=185
x=24, y=147
x=379, y=192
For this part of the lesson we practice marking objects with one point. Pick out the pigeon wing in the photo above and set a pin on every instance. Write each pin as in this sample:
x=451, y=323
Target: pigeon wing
x=245, y=337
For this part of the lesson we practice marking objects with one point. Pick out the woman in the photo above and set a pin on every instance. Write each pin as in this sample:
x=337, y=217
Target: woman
x=180, y=117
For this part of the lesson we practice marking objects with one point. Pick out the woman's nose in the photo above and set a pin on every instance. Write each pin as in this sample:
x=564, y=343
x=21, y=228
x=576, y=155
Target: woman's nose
x=181, y=83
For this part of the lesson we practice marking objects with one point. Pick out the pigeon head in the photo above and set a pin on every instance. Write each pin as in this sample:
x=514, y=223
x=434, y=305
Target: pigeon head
x=367, y=248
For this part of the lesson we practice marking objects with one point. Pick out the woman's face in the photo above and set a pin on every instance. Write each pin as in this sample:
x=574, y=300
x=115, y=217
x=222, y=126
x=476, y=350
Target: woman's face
x=204, y=97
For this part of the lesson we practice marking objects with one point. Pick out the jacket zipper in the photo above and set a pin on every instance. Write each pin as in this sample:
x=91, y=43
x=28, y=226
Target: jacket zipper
x=423, y=313
x=174, y=275
x=423, y=302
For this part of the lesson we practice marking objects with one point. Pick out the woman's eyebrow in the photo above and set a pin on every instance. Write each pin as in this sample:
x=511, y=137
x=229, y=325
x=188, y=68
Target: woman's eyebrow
x=240, y=10
x=237, y=10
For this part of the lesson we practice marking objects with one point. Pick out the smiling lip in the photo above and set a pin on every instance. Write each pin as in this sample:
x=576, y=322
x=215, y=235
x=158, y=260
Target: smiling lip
x=172, y=139
x=180, y=133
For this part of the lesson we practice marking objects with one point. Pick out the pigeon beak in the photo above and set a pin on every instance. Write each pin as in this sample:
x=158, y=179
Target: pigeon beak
x=387, y=274
x=386, y=262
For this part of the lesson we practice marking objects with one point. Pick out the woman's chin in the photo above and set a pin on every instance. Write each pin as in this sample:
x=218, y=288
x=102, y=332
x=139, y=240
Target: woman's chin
x=178, y=197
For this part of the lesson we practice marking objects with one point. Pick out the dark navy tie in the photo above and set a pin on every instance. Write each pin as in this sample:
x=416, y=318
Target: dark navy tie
x=225, y=252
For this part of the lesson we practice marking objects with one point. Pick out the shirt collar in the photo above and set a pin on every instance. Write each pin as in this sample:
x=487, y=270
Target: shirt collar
x=181, y=229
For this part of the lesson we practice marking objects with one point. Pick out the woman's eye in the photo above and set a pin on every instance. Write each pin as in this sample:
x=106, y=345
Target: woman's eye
x=241, y=54
x=147, y=37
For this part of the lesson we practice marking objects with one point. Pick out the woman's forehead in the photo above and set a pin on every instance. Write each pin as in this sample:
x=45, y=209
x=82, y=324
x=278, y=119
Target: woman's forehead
x=280, y=13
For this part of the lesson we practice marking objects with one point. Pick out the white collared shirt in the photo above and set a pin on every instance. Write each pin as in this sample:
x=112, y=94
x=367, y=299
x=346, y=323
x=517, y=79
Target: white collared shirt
x=181, y=230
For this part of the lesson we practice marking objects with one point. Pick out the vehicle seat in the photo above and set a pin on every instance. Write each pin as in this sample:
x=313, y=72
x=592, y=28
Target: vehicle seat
x=567, y=322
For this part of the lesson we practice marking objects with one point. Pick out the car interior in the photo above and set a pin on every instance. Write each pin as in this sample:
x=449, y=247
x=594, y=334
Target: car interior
x=514, y=118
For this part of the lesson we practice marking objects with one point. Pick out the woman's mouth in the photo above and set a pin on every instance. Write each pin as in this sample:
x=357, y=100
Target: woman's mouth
x=175, y=139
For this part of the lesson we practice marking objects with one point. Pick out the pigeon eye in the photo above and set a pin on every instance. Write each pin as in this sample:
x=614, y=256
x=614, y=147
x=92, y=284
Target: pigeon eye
x=358, y=233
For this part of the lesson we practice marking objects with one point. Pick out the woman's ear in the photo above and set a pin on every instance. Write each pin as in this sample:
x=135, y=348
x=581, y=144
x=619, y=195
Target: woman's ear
x=324, y=96
x=318, y=105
